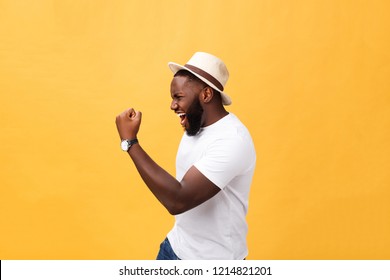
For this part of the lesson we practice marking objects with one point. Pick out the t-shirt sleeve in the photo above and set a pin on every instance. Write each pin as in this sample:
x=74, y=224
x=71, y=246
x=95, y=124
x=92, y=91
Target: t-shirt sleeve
x=223, y=160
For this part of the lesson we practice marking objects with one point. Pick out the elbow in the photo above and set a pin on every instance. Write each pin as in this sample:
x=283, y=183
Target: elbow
x=173, y=212
x=179, y=203
x=176, y=209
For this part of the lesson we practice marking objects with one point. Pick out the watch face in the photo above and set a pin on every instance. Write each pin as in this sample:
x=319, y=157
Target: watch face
x=124, y=145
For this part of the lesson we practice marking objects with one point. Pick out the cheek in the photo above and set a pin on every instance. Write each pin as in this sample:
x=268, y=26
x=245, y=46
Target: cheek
x=182, y=104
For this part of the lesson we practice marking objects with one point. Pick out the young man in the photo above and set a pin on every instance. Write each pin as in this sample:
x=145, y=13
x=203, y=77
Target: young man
x=214, y=165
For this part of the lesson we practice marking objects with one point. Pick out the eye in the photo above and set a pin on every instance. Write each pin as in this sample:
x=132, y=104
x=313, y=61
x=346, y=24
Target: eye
x=177, y=97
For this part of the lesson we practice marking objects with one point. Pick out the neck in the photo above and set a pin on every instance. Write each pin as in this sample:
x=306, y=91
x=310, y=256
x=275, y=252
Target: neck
x=214, y=115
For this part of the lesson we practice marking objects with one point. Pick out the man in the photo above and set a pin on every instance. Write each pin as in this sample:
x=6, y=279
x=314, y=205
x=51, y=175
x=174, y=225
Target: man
x=214, y=165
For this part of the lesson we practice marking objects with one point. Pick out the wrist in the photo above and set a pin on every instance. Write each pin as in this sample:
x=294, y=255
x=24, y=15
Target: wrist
x=127, y=136
x=126, y=144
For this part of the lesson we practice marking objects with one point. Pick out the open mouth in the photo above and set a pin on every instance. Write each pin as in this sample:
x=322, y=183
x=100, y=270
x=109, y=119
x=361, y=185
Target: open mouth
x=183, y=118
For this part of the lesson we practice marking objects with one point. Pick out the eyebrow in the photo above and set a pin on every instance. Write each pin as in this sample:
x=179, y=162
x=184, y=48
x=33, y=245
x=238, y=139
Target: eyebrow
x=176, y=94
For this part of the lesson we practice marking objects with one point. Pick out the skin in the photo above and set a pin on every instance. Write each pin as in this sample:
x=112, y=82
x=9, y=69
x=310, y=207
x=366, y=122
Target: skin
x=194, y=189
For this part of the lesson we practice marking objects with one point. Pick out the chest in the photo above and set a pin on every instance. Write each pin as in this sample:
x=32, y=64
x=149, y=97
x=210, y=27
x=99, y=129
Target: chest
x=191, y=150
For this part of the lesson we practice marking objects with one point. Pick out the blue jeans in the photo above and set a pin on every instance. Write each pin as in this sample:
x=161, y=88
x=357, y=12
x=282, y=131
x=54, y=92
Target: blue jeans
x=166, y=252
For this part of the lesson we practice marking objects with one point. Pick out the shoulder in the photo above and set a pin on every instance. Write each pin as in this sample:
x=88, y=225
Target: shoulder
x=232, y=128
x=230, y=136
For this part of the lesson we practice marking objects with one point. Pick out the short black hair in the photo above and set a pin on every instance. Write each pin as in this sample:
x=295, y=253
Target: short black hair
x=192, y=77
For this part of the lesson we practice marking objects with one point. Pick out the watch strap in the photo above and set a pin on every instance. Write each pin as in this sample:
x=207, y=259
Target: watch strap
x=132, y=142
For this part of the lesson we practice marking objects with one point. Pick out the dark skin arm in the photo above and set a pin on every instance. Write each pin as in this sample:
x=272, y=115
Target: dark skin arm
x=177, y=197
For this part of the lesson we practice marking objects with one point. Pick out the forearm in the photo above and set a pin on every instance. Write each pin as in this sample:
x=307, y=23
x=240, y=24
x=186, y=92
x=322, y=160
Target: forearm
x=163, y=185
x=177, y=197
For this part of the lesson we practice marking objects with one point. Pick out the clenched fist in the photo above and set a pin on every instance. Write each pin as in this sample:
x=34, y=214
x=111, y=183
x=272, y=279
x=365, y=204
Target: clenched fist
x=128, y=123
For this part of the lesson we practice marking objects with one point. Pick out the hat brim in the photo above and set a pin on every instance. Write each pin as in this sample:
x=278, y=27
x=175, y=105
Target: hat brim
x=226, y=100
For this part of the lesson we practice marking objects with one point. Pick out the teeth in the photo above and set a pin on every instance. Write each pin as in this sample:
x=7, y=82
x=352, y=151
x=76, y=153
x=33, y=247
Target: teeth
x=182, y=117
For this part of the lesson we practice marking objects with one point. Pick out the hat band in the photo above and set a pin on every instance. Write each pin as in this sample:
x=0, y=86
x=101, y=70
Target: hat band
x=205, y=75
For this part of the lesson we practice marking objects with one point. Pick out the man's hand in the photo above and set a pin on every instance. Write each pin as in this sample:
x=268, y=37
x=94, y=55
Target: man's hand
x=128, y=123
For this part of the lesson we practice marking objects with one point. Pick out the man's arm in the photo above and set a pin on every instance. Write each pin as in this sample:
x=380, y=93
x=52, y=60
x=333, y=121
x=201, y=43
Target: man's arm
x=177, y=197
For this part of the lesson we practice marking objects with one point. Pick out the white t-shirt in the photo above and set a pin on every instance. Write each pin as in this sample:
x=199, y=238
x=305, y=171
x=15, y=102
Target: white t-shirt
x=216, y=229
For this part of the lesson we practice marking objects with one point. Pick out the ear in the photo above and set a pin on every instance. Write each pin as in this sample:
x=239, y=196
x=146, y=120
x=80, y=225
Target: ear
x=207, y=94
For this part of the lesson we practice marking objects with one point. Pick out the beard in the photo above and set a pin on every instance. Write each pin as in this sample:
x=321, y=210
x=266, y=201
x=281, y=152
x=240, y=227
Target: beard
x=194, y=117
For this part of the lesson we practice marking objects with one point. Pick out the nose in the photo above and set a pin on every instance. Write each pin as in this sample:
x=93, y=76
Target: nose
x=173, y=105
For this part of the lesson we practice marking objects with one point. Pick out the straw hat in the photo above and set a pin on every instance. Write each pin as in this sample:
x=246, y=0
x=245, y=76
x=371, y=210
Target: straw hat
x=209, y=69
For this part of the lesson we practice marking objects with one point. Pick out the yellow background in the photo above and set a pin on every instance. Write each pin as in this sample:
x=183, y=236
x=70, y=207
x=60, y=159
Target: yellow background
x=310, y=79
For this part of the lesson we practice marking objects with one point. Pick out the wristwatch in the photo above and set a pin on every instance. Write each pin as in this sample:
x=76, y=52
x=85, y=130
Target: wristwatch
x=127, y=143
